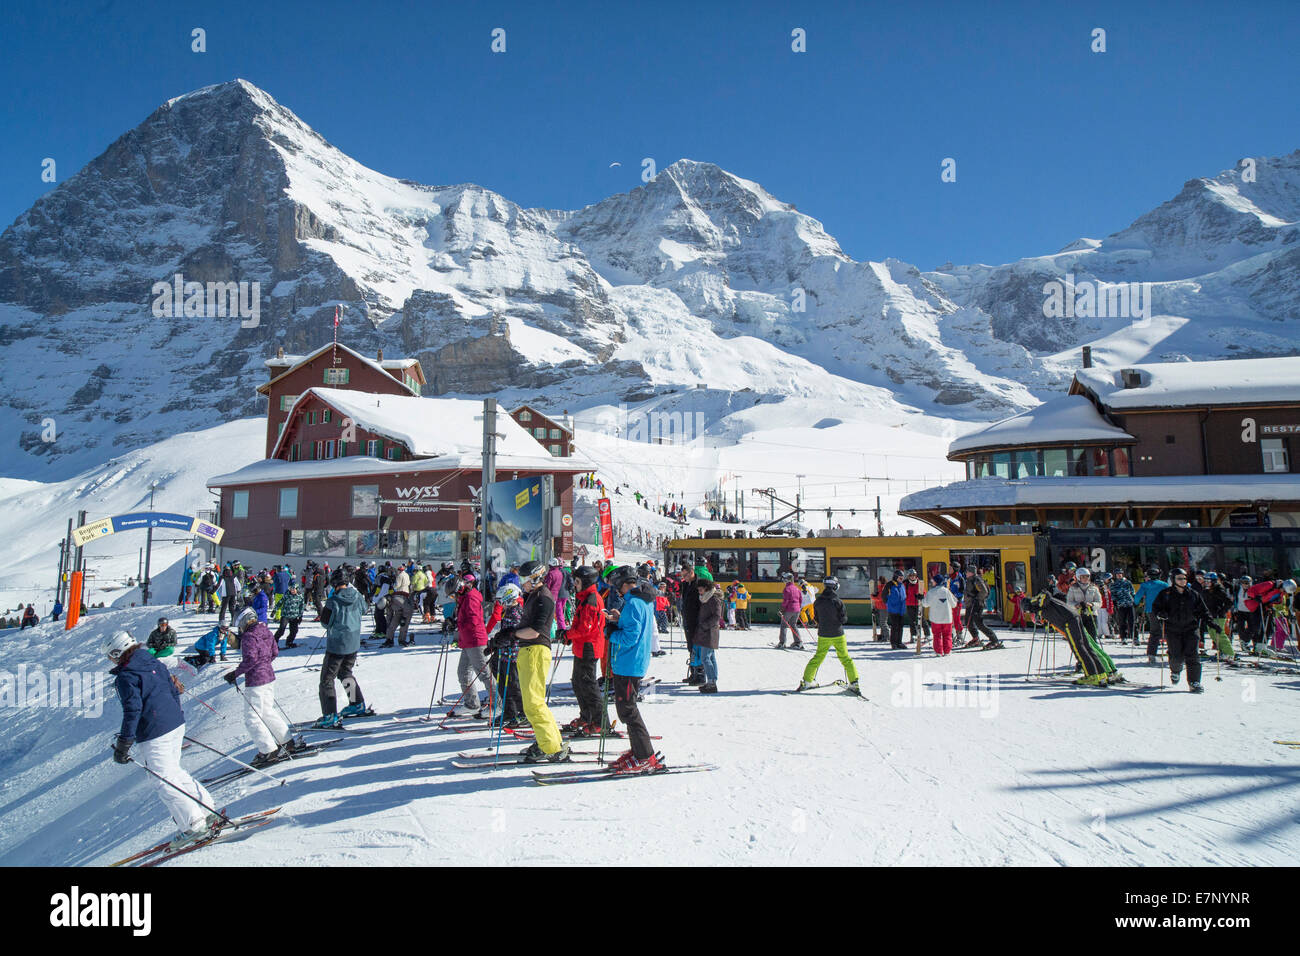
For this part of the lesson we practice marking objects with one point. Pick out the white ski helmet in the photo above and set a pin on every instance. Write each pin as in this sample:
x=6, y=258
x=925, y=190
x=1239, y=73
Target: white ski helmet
x=509, y=593
x=116, y=645
x=247, y=618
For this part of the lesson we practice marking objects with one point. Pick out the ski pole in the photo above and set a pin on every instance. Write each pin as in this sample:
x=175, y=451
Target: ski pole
x=249, y=704
x=282, y=713
x=501, y=726
x=319, y=638
x=247, y=766
x=463, y=694
x=207, y=705
x=433, y=691
x=146, y=769
x=605, y=726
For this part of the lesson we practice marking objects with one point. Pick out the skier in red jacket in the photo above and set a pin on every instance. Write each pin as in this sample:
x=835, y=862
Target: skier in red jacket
x=587, y=635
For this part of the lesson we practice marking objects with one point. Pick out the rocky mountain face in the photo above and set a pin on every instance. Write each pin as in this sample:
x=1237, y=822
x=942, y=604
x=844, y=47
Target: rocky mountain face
x=697, y=278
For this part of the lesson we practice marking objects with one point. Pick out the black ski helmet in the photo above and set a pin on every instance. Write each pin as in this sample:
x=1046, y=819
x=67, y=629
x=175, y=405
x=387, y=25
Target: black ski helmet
x=338, y=578
x=620, y=576
x=531, y=570
x=587, y=575
x=831, y=584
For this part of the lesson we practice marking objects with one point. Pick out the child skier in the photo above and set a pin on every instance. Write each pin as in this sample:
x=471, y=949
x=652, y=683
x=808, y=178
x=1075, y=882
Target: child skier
x=153, y=722
x=940, y=603
x=267, y=729
x=831, y=618
x=206, y=647
x=471, y=638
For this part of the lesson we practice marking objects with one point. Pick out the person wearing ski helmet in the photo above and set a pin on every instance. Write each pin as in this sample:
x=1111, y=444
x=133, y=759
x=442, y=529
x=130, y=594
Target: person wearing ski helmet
x=154, y=724
x=1084, y=599
x=266, y=728
x=1123, y=595
x=630, y=642
x=471, y=638
x=791, y=608
x=587, y=638
x=342, y=619
x=706, y=631
x=536, y=626
x=1218, y=605
x=831, y=617
x=690, y=619
x=1146, y=596
x=1180, y=611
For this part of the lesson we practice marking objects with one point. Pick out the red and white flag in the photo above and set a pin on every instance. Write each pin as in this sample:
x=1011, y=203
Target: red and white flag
x=336, y=316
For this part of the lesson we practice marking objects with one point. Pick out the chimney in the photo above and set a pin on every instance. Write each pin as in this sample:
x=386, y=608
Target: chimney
x=1130, y=378
x=381, y=355
x=1087, y=356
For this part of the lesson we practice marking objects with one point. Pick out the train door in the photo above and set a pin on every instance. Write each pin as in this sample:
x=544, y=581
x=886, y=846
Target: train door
x=988, y=565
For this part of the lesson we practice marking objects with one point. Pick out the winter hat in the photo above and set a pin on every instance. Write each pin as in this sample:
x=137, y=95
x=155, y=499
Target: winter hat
x=704, y=574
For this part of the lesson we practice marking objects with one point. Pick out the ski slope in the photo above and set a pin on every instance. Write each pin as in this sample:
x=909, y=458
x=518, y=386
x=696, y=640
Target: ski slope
x=1017, y=773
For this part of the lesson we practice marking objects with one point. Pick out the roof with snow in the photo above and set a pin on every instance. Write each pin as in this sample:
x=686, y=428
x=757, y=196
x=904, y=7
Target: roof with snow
x=288, y=363
x=1183, y=384
x=442, y=433
x=1069, y=418
x=1050, y=492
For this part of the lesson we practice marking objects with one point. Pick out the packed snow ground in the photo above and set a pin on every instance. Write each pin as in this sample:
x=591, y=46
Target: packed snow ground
x=1029, y=773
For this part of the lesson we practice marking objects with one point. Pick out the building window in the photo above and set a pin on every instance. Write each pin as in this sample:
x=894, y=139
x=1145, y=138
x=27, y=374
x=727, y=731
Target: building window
x=288, y=502
x=329, y=449
x=325, y=417
x=1275, y=457
x=317, y=450
x=343, y=448
x=294, y=452
x=372, y=448
x=412, y=384
x=336, y=376
x=239, y=504
x=365, y=501
x=311, y=418
x=393, y=453
x=286, y=402
x=1119, y=458
x=539, y=432
x=555, y=450
x=525, y=416
x=555, y=433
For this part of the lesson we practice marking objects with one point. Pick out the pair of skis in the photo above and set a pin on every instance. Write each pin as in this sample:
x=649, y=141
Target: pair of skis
x=160, y=854
x=842, y=684
x=239, y=772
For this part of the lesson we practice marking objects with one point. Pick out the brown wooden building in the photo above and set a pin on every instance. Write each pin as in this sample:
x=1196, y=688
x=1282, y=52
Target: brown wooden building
x=554, y=435
x=1186, y=444
x=368, y=469
x=332, y=366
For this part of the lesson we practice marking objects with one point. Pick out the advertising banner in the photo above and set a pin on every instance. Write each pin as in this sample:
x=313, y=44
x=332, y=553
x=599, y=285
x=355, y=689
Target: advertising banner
x=514, y=522
x=606, y=528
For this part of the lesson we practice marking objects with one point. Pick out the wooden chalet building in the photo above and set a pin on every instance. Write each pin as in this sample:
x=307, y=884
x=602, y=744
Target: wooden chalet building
x=554, y=435
x=367, y=469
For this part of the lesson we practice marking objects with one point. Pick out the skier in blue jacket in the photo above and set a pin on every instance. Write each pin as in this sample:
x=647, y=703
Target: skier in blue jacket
x=630, y=642
x=896, y=608
x=153, y=723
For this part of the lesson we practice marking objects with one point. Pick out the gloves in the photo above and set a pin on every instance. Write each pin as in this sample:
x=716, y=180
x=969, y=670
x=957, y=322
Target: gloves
x=230, y=679
x=122, y=747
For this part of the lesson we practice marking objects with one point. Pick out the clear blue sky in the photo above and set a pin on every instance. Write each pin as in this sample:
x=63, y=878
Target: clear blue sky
x=1051, y=140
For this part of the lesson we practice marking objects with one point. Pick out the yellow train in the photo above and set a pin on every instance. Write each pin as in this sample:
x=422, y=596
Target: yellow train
x=859, y=564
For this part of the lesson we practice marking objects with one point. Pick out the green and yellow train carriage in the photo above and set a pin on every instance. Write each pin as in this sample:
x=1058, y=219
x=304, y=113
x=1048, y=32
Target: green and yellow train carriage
x=858, y=563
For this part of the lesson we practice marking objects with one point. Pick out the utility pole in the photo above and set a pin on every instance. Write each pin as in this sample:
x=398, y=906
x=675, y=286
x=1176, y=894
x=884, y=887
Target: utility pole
x=489, y=478
x=880, y=525
x=148, y=550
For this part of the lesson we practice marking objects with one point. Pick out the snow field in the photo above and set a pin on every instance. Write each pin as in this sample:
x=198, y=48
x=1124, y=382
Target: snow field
x=953, y=762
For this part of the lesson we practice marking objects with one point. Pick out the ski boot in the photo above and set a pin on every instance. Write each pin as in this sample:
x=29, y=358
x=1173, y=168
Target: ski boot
x=803, y=685
x=1174, y=676
x=709, y=688
x=994, y=645
x=204, y=831
x=853, y=688
x=621, y=762
x=1092, y=680
x=535, y=754
x=973, y=642
x=328, y=722
x=652, y=764
x=796, y=646
x=356, y=710
x=268, y=758
x=295, y=745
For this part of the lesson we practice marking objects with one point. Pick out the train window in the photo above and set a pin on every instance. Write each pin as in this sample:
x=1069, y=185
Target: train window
x=885, y=567
x=722, y=564
x=809, y=562
x=767, y=565
x=855, y=577
x=1016, y=577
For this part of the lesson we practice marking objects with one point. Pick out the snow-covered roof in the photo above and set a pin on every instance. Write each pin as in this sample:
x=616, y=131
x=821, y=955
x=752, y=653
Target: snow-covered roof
x=1069, y=418
x=1049, y=492
x=1181, y=384
x=290, y=362
x=428, y=427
